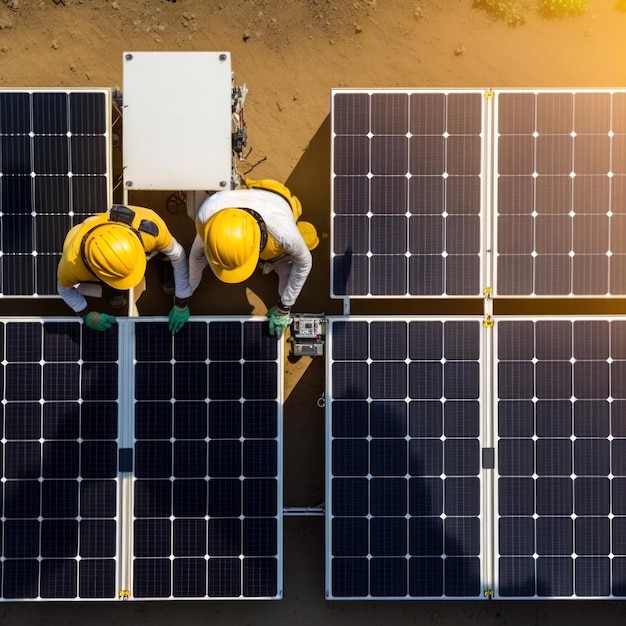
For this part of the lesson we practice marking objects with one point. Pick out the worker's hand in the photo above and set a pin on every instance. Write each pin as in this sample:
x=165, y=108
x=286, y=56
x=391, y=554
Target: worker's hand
x=279, y=320
x=178, y=316
x=99, y=321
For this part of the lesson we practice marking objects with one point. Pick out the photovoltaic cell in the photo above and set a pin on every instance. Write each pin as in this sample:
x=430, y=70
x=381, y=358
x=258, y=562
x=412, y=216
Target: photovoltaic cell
x=406, y=193
x=560, y=193
x=560, y=527
x=403, y=459
x=207, y=510
x=54, y=166
x=59, y=445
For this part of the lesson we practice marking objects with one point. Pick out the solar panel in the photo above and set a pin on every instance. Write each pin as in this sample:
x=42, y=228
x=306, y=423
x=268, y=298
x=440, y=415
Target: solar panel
x=54, y=171
x=406, y=193
x=403, y=458
x=560, y=189
x=205, y=516
x=59, y=446
x=561, y=521
x=208, y=504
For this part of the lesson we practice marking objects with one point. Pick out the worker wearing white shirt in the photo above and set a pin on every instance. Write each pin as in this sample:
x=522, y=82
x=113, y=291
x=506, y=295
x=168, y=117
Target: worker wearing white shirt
x=237, y=229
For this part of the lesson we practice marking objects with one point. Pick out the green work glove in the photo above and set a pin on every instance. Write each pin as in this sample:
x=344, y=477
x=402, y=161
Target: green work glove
x=99, y=321
x=178, y=316
x=278, y=322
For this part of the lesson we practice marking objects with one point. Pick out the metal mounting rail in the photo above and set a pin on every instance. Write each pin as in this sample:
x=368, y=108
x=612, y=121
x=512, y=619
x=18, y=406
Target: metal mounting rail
x=305, y=511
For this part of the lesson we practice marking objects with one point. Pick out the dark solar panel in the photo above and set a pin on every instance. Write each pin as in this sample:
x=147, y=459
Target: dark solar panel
x=560, y=526
x=560, y=168
x=406, y=191
x=403, y=458
x=54, y=160
x=59, y=514
x=207, y=516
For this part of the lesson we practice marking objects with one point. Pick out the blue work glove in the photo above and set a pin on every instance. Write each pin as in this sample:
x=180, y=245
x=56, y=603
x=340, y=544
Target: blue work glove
x=178, y=316
x=279, y=320
x=99, y=321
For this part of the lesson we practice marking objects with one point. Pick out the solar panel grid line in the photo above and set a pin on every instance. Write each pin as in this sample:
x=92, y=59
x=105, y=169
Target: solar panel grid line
x=59, y=510
x=406, y=193
x=560, y=519
x=208, y=441
x=402, y=463
x=55, y=161
x=558, y=190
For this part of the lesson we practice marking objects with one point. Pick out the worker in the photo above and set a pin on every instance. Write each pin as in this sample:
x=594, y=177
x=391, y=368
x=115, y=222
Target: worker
x=257, y=223
x=111, y=249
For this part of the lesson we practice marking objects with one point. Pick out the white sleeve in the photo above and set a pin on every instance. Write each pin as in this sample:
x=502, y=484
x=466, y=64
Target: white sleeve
x=197, y=263
x=75, y=300
x=300, y=268
x=176, y=254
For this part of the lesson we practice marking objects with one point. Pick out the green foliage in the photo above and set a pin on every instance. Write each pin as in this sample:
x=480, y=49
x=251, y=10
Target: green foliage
x=506, y=10
x=562, y=8
x=511, y=12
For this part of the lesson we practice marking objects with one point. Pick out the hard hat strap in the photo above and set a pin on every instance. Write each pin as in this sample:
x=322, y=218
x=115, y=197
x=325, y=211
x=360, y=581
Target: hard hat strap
x=262, y=227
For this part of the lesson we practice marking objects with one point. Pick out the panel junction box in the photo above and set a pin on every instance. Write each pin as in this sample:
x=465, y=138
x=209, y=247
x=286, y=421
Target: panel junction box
x=308, y=333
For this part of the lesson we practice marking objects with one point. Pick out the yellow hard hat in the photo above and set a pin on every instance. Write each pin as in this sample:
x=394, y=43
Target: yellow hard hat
x=232, y=239
x=115, y=255
x=309, y=234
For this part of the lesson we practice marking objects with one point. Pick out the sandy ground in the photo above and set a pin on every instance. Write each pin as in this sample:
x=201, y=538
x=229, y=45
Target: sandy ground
x=290, y=54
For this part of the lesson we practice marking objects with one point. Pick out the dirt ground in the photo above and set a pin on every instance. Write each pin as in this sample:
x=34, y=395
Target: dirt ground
x=290, y=54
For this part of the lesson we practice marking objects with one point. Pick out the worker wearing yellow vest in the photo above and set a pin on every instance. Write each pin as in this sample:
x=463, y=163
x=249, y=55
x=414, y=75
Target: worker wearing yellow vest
x=257, y=223
x=111, y=248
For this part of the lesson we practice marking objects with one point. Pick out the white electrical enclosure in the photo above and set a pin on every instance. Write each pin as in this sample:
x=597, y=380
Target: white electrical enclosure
x=177, y=120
